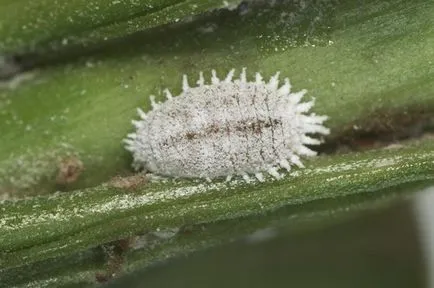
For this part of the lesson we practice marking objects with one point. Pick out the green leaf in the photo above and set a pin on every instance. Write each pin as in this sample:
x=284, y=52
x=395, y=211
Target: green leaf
x=84, y=267
x=52, y=226
x=47, y=25
x=366, y=251
x=367, y=79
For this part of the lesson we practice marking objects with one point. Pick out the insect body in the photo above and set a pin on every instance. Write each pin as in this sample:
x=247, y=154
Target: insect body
x=226, y=128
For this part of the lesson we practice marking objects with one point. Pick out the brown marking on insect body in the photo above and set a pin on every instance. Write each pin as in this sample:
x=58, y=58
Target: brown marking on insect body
x=256, y=126
x=69, y=169
x=246, y=126
x=214, y=128
x=190, y=135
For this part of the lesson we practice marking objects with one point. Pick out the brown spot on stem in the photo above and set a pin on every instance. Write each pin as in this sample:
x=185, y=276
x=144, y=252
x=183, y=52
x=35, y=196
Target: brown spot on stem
x=129, y=182
x=69, y=169
x=115, y=252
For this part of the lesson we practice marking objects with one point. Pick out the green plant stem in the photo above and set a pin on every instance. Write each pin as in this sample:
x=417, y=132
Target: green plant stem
x=368, y=71
x=53, y=226
x=47, y=25
x=81, y=268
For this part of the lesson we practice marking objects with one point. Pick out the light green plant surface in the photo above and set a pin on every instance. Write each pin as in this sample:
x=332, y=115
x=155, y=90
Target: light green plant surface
x=365, y=64
x=356, y=71
x=81, y=268
x=46, y=24
x=41, y=228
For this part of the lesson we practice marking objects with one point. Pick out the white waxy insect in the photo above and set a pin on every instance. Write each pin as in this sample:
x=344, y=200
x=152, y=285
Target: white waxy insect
x=226, y=128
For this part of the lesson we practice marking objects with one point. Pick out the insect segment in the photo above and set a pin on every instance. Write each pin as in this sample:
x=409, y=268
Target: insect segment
x=225, y=128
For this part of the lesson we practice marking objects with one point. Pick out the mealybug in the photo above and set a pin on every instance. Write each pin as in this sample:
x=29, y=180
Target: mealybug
x=225, y=128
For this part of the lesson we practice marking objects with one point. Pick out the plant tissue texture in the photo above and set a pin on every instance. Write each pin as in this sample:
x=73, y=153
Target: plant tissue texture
x=226, y=128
